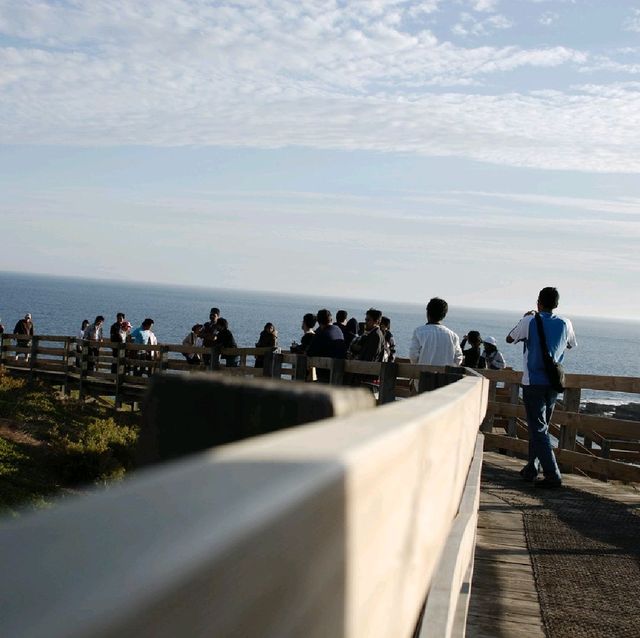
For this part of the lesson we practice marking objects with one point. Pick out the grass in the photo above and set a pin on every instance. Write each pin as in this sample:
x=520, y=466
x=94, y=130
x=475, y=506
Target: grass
x=50, y=445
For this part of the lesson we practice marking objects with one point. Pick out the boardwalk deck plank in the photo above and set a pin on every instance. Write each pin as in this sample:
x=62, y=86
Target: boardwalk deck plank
x=504, y=599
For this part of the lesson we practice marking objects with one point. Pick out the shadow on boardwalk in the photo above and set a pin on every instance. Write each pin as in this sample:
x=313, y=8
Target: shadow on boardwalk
x=585, y=553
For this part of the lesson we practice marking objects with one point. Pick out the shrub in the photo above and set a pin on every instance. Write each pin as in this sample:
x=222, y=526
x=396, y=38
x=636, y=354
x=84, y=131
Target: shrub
x=79, y=442
x=97, y=450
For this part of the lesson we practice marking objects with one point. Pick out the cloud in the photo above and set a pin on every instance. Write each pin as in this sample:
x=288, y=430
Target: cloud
x=632, y=23
x=470, y=25
x=484, y=5
x=548, y=18
x=271, y=74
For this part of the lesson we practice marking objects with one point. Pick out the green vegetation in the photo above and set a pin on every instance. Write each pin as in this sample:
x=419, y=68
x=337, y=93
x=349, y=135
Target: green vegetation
x=50, y=445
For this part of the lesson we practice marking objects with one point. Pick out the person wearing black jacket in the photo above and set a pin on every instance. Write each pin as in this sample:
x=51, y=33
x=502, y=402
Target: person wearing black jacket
x=472, y=357
x=268, y=339
x=24, y=328
x=327, y=342
x=308, y=322
x=371, y=345
x=117, y=335
x=224, y=339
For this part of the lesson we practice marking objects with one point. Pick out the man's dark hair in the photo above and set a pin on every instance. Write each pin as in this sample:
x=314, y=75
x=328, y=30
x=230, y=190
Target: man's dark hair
x=437, y=309
x=549, y=298
x=374, y=314
x=324, y=317
x=147, y=323
x=386, y=322
x=309, y=320
x=120, y=316
x=474, y=338
x=214, y=311
x=341, y=316
x=99, y=318
x=222, y=324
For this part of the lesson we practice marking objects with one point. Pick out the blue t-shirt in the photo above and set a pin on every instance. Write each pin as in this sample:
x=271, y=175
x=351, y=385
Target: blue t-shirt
x=140, y=336
x=559, y=334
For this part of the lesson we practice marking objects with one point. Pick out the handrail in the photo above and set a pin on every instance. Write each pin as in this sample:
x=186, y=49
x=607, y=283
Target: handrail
x=118, y=370
x=612, y=383
x=331, y=529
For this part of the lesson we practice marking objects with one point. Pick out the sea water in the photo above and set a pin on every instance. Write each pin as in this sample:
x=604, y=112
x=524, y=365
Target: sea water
x=59, y=304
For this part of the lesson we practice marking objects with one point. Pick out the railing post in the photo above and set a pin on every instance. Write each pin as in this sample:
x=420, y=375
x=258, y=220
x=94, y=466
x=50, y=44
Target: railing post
x=388, y=378
x=514, y=399
x=337, y=372
x=214, y=364
x=121, y=370
x=277, y=365
x=164, y=358
x=267, y=364
x=33, y=357
x=487, y=424
x=427, y=381
x=568, y=433
x=84, y=367
x=65, y=385
x=301, y=368
x=1, y=348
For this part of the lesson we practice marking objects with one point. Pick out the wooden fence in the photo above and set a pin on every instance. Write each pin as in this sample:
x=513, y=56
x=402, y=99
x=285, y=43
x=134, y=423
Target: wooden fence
x=340, y=528
x=600, y=446
x=123, y=370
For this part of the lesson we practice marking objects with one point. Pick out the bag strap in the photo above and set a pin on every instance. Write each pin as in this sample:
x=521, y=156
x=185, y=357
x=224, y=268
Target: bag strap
x=543, y=340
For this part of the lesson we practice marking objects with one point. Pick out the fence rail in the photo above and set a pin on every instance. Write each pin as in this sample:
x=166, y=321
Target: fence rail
x=338, y=528
x=606, y=447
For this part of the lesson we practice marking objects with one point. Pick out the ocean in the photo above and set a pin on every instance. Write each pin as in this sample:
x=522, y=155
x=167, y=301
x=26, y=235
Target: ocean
x=59, y=304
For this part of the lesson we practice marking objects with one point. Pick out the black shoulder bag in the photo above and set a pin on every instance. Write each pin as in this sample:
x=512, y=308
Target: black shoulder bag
x=554, y=370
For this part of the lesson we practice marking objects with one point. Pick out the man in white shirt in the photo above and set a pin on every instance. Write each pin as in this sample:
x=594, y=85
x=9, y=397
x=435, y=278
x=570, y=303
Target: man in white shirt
x=433, y=343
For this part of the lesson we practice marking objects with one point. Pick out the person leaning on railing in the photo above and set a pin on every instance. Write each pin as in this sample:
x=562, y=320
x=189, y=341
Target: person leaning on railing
x=225, y=340
x=143, y=335
x=93, y=332
x=268, y=339
x=193, y=339
x=24, y=330
x=117, y=335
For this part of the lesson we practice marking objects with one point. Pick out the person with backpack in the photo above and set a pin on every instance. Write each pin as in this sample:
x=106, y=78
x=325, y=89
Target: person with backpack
x=545, y=336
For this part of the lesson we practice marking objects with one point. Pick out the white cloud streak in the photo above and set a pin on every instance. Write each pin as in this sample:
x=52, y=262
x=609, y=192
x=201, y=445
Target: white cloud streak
x=317, y=74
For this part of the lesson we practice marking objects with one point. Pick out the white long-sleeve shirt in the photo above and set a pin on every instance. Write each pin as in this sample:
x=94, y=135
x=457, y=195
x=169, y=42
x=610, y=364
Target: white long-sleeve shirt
x=436, y=345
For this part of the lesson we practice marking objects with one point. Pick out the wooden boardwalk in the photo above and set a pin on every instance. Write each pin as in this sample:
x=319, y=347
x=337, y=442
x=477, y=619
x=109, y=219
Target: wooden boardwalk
x=506, y=592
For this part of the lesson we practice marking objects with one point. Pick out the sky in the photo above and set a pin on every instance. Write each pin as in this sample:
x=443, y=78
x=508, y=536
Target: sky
x=476, y=150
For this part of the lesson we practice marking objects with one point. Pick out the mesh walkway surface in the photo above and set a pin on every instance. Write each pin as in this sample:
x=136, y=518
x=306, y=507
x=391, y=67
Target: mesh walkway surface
x=579, y=547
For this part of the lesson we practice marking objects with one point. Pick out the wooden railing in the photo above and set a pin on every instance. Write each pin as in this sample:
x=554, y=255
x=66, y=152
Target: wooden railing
x=598, y=445
x=340, y=528
x=601, y=446
x=123, y=370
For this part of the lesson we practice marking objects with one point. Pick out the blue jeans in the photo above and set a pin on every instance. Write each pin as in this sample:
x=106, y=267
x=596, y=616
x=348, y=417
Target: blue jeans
x=539, y=401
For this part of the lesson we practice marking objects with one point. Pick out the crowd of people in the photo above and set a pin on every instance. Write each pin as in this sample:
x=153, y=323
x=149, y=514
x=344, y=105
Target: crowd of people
x=322, y=336
x=544, y=334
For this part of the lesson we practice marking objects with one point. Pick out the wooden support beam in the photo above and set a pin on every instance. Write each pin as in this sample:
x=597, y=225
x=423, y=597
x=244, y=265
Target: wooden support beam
x=387, y=388
x=337, y=372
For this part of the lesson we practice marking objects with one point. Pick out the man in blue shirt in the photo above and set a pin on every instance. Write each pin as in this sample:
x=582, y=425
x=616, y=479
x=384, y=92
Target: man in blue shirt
x=538, y=396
